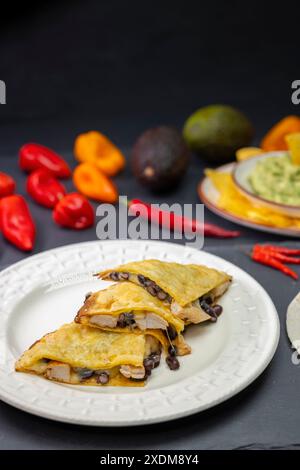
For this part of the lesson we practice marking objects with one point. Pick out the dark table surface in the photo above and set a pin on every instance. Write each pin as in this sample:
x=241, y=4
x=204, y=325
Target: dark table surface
x=265, y=415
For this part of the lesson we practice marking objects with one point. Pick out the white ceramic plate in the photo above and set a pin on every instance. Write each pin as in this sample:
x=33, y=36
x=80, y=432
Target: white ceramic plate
x=209, y=196
x=44, y=291
x=240, y=176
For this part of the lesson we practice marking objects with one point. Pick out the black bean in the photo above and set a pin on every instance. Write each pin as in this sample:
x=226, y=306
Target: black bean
x=114, y=276
x=141, y=279
x=128, y=315
x=152, y=291
x=218, y=309
x=172, y=350
x=148, y=368
x=212, y=311
x=205, y=306
x=129, y=318
x=208, y=300
x=156, y=359
x=45, y=360
x=103, y=378
x=169, y=299
x=162, y=295
x=148, y=364
x=172, y=333
x=87, y=295
x=84, y=373
x=121, y=321
x=172, y=362
x=125, y=319
x=213, y=317
x=148, y=282
x=123, y=276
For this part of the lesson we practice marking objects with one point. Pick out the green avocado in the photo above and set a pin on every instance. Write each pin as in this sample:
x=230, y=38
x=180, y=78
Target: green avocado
x=216, y=132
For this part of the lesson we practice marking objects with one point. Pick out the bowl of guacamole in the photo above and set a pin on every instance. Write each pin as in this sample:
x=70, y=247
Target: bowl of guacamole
x=270, y=180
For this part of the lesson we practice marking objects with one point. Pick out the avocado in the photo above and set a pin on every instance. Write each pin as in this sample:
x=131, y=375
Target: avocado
x=216, y=132
x=160, y=158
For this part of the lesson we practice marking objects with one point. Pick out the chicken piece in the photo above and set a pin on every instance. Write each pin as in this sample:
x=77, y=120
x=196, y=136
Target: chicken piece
x=58, y=371
x=193, y=313
x=103, y=321
x=219, y=291
x=131, y=372
x=150, y=321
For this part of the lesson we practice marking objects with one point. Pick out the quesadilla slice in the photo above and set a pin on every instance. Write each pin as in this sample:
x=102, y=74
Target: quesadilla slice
x=80, y=355
x=190, y=290
x=126, y=307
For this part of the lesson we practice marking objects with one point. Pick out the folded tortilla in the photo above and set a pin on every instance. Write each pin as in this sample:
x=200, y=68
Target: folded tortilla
x=182, y=286
x=78, y=354
x=125, y=307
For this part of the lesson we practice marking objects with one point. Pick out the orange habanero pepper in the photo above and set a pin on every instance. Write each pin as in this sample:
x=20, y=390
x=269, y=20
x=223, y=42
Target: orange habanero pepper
x=275, y=138
x=94, y=147
x=93, y=183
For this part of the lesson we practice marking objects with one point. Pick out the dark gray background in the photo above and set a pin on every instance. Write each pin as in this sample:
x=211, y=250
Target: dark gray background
x=159, y=59
x=121, y=67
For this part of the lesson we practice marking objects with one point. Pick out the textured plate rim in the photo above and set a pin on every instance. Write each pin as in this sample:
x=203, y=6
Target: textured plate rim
x=272, y=341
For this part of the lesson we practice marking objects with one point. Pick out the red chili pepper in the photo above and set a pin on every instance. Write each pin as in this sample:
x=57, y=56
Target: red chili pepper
x=277, y=255
x=44, y=188
x=178, y=222
x=7, y=185
x=16, y=222
x=280, y=249
x=34, y=156
x=267, y=259
x=74, y=211
x=286, y=259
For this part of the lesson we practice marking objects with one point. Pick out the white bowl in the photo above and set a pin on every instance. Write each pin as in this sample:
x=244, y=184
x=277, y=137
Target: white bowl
x=240, y=177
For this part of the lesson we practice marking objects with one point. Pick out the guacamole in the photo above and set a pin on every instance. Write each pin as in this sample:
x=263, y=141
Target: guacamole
x=277, y=179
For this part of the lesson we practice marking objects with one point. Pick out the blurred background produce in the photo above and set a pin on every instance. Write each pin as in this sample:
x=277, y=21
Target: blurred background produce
x=275, y=137
x=94, y=147
x=217, y=131
x=93, y=77
x=160, y=158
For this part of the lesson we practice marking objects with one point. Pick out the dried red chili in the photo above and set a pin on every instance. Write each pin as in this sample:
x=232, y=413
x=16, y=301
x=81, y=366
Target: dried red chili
x=265, y=256
x=277, y=255
x=279, y=249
